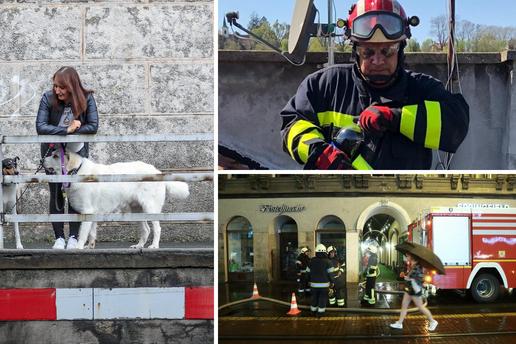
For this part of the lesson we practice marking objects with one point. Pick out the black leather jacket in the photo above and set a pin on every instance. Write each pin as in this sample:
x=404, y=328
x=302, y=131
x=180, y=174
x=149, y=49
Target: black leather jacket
x=48, y=119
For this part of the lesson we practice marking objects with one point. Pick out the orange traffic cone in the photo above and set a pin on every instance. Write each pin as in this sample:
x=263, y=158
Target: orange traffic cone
x=255, y=292
x=293, y=307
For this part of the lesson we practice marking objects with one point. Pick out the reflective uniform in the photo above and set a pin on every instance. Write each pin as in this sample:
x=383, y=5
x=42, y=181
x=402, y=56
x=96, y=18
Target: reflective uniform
x=370, y=275
x=337, y=296
x=301, y=264
x=430, y=117
x=320, y=275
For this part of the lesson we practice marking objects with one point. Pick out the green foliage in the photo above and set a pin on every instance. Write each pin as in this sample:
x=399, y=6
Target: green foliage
x=413, y=46
x=427, y=45
x=317, y=44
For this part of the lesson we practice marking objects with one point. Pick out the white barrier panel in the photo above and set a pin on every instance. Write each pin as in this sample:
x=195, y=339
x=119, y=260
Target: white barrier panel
x=74, y=304
x=139, y=303
x=113, y=303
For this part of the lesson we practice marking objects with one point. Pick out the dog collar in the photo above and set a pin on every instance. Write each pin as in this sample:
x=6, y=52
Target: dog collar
x=74, y=171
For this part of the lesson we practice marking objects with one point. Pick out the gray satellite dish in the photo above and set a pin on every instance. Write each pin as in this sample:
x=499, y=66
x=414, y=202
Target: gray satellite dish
x=302, y=22
x=302, y=27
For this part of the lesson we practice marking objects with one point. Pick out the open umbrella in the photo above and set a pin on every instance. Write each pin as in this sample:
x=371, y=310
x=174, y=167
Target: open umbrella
x=423, y=255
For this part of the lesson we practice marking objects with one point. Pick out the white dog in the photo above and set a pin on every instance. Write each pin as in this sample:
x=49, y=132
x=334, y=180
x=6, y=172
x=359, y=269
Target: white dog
x=9, y=167
x=102, y=198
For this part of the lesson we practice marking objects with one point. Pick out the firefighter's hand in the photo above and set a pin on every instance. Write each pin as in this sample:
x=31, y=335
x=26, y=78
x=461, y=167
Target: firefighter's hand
x=408, y=278
x=331, y=286
x=332, y=158
x=377, y=119
x=299, y=274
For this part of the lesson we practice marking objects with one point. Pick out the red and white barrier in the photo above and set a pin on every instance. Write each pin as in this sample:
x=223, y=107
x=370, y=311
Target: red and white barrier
x=113, y=303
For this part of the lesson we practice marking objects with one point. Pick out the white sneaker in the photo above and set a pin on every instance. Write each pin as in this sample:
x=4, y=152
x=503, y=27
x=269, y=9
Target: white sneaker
x=432, y=326
x=397, y=325
x=59, y=244
x=72, y=243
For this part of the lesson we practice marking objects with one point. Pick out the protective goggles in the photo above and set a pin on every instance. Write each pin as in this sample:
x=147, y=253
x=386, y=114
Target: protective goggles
x=386, y=51
x=390, y=24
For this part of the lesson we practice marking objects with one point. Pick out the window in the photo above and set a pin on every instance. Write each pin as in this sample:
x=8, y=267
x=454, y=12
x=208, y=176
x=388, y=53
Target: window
x=332, y=232
x=240, y=245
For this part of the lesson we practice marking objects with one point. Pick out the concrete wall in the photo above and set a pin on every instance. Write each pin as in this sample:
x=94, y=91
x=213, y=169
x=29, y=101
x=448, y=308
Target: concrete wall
x=151, y=66
x=353, y=211
x=107, y=269
x=255, y=86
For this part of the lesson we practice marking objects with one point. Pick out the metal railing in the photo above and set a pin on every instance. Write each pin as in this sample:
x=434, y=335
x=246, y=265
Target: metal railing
x=102, y=178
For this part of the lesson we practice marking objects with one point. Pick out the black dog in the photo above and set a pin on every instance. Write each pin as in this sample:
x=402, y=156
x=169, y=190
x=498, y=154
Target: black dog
x=10, y=167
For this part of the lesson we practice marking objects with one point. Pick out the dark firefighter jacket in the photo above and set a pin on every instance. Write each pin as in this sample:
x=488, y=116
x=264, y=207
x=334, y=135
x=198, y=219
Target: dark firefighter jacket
x=320, y=272
x=430, y=117
x=372, y=266
x=339, y=280
x=302, y=263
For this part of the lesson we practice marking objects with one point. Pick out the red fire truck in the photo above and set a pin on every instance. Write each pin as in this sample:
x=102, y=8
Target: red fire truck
x=476, y=245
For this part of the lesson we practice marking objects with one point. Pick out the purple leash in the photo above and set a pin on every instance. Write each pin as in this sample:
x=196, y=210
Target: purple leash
x=63, y=169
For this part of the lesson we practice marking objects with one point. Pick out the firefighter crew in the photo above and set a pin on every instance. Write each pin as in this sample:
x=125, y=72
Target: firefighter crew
x=370, y=275
x=336, y=294
x=319, y=275
x=301, y=264
x=403, y=114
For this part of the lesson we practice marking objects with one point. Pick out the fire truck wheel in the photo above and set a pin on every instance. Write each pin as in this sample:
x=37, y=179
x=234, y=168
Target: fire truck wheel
x=485, y=288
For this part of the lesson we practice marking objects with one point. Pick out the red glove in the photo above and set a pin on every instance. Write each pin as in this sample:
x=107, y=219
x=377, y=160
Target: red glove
x=333, y=159
x=376, y=119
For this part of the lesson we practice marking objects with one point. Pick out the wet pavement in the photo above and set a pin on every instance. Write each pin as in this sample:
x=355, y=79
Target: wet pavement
x=461, y=319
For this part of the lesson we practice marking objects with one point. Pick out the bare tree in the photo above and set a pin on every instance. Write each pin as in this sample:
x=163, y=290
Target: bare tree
x=439, y=29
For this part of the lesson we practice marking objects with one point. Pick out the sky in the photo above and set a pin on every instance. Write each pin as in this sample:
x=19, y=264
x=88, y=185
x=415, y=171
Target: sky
x=486, y=12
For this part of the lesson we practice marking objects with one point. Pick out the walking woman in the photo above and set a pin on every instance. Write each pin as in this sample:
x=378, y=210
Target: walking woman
x=414, y=293
x=67, y=109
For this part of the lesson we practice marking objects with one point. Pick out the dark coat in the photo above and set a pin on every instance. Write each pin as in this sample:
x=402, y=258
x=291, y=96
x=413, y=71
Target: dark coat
x=48, y=117
x=332, y=98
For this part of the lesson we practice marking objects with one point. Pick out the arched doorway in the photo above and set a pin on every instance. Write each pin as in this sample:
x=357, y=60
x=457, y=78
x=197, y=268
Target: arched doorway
x=380, y=225
x=331, y=231
x=240, y=260
x=288, y=249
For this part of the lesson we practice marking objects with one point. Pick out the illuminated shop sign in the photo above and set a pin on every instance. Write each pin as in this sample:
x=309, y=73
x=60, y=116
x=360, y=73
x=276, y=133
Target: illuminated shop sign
x=268, y=208
x=469, y=205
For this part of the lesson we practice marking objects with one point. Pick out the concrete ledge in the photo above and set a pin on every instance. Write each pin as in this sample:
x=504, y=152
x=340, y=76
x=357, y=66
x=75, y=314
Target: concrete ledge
x=106, y=278
x=108, y=331
x=322, y=57
x=107, y=259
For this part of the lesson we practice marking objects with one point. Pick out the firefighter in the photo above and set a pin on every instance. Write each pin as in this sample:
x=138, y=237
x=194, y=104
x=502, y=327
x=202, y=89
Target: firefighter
x=370, y=275
x=336, y=294
x=301, y=264
x=319, y=275
x=403, y=114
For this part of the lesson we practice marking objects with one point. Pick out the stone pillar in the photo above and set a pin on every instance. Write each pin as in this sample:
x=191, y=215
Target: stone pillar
x=352, y=253
x=261, y=256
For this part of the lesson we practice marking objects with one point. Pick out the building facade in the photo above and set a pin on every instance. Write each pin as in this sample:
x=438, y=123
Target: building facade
x=263, y=220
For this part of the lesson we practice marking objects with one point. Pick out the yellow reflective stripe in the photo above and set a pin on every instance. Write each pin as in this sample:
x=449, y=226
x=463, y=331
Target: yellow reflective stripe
x=433, y=124
x=303, y=148
x=408, y=121
x=338, y=119
x=360, y=164
x=295, y=130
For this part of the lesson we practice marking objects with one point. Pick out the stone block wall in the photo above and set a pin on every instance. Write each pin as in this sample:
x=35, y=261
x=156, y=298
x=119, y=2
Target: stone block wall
x=150, y=64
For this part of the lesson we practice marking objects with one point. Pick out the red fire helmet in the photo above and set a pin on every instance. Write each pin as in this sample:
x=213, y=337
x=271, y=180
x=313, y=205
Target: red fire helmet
x=379, y=21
